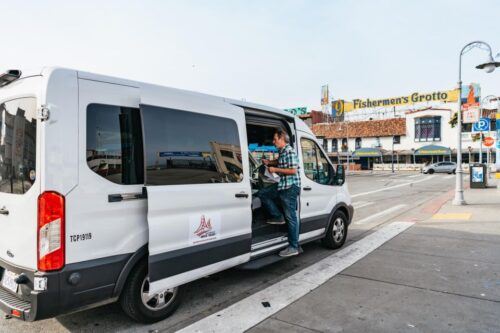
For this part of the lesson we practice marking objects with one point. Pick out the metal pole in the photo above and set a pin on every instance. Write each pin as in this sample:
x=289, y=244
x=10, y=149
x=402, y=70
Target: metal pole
x=497, y=149
x=480, y=138
x=459, y=190
x=392, y=155
x=488, y=162
x=347, y=134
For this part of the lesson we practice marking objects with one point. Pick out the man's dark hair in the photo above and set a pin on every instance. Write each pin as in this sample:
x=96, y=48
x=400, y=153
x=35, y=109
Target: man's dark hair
x=282, y=134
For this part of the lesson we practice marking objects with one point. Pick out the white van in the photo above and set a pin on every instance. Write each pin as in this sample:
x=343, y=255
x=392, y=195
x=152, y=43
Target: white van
x=115, y=190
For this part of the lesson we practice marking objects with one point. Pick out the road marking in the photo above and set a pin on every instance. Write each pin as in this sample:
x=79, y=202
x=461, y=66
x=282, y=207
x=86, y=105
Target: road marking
x=450, y=177
x=362, y=204
x=391, y=187
x=379, y=214
x=250, y=311
x=452, y=216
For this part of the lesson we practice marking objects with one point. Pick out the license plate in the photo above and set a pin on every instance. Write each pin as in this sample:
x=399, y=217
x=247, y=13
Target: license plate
x=9, y=281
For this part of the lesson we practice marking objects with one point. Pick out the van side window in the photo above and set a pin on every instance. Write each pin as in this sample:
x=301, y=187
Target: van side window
x=114, y=143
x=316, y=165
x=190, y=148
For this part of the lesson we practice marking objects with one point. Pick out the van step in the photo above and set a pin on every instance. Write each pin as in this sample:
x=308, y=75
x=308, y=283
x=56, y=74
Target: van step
x=261, y=262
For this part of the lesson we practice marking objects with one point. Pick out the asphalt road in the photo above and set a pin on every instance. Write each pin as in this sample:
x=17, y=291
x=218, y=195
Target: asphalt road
x=378, y=198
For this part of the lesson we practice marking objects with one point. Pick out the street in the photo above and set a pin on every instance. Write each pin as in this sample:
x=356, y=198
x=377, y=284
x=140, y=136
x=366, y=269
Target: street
x=379, y=198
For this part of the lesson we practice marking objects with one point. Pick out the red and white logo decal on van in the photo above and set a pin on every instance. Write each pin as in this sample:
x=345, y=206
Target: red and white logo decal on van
x=204, y=227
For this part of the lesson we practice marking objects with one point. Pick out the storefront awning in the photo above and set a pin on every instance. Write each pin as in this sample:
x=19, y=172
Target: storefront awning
x=367, y=152
x=432, y=150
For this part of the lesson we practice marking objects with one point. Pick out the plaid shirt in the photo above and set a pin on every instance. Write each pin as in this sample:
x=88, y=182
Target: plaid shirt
x=288, y=160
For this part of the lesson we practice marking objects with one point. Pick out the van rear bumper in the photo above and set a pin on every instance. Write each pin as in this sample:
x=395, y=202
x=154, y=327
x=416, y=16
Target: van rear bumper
x=76, y=287
x=27, y=304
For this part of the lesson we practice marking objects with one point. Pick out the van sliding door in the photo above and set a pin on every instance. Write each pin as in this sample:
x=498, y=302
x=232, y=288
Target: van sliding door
x=198, y=188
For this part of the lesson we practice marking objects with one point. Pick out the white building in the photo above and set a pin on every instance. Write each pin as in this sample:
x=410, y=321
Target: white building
x=421, y=132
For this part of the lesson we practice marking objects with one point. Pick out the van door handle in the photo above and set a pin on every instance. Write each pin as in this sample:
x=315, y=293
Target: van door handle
x=127, y=196
x=241, y=195
x=4, y=211
x=307, y=188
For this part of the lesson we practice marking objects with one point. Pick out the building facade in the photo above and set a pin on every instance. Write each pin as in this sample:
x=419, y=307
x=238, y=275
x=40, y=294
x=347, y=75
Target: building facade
x=404, y=133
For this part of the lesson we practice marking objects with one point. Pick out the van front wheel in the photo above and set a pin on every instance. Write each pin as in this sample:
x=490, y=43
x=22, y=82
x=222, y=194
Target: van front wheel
x=336, y=233
x=142, y=307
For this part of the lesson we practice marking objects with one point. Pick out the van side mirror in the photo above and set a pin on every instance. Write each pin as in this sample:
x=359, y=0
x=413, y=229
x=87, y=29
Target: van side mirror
x=339, y=178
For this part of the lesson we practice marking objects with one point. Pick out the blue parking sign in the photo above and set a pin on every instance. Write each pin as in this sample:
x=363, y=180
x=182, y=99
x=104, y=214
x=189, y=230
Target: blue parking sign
x=483, y=125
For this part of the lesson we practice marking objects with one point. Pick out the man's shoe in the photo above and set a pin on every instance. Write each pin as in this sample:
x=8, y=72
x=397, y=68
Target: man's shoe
x=289, y=252
x=275, y=221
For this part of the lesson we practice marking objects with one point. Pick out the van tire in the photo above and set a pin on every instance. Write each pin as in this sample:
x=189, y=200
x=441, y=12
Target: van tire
x=332, y=240
x=131, y=301
x=431, y=171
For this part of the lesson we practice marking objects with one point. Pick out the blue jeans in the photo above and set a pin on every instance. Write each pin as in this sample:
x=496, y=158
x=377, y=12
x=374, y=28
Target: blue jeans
x=288, y=198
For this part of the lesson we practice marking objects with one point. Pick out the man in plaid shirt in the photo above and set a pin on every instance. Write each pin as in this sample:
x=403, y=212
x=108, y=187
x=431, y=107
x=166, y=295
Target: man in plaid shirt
x=287, y=190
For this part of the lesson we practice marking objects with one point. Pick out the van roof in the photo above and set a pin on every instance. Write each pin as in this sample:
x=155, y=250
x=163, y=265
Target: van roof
x=137, y=84
x=47, y=71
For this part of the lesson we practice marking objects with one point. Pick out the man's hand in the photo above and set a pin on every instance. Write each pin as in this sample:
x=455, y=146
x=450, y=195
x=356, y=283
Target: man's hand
x=269, y=162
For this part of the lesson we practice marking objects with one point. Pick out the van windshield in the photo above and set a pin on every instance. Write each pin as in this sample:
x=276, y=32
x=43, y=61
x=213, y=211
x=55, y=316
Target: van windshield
x=17, y=145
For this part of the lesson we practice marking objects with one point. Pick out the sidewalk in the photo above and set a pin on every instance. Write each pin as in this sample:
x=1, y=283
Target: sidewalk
x=441, y=275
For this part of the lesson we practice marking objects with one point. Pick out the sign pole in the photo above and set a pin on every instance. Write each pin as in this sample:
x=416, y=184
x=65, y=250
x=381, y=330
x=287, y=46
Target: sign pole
x=480, y=138
x=480, y=147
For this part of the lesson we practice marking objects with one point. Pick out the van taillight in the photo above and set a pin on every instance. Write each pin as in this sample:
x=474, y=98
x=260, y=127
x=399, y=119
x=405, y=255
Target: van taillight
x=51, y=220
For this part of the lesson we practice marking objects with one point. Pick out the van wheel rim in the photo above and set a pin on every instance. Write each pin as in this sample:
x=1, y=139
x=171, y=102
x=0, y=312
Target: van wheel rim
x=338, y=229
x=157, y=301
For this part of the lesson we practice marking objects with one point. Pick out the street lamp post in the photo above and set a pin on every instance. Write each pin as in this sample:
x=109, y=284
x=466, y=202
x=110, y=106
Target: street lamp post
x=488, y=68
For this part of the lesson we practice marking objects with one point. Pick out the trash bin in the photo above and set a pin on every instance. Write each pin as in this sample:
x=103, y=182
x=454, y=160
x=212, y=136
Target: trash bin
x=478, y=178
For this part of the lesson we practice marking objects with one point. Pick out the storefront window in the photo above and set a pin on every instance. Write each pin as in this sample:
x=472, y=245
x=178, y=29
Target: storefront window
x=344, y=145
x=335, y=145
x=358, y=143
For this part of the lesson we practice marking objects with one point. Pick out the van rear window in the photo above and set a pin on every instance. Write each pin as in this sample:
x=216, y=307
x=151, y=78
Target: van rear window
x=17, y=145
x=114, y=143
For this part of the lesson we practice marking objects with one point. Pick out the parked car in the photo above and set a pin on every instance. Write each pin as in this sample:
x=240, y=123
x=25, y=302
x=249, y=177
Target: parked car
x=444, y=167
x=116, y=190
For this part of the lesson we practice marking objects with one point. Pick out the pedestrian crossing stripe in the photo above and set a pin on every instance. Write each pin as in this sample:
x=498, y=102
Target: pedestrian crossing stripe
x=452, y=216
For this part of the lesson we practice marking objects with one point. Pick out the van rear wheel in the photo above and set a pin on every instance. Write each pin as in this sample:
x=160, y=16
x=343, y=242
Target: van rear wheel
x=138, y=305
x=336, y=233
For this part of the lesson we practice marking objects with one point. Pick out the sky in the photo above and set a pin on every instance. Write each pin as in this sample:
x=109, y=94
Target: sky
x=273, y=52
